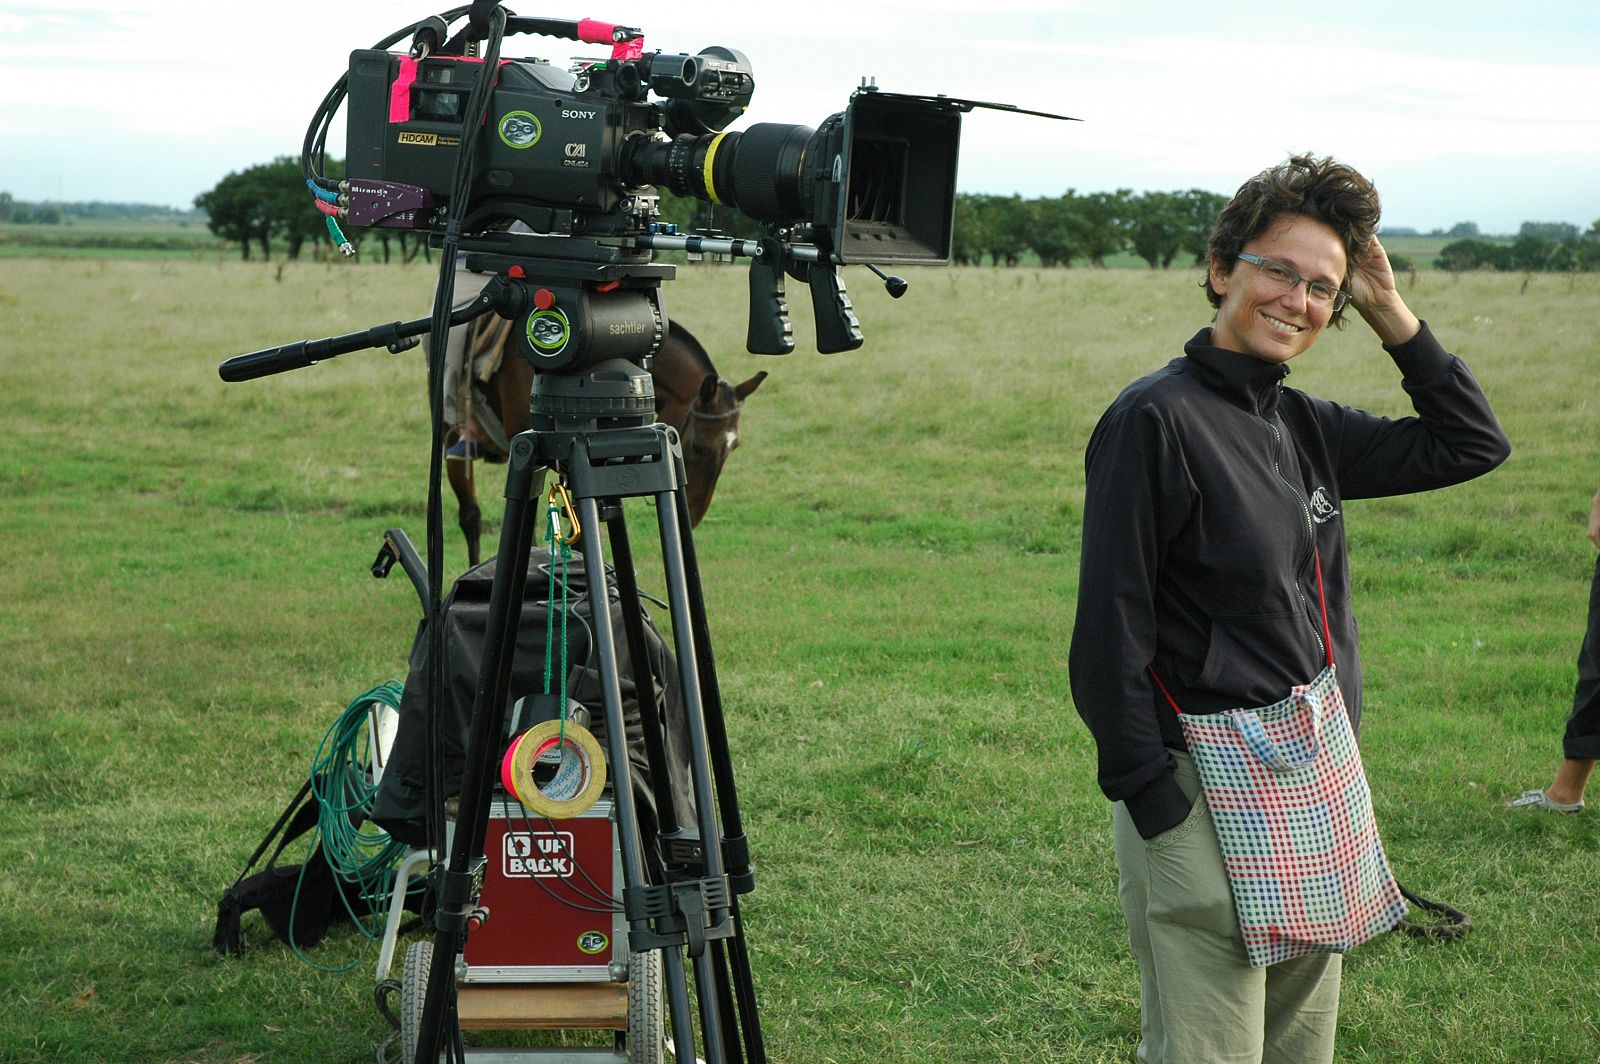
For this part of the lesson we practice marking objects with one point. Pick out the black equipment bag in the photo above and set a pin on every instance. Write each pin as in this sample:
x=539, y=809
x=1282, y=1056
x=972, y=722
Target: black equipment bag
x=298, y=902
x=400, y=806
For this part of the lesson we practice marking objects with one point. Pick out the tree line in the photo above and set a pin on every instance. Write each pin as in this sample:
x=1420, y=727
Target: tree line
x=1539, y=247
x=269, y=202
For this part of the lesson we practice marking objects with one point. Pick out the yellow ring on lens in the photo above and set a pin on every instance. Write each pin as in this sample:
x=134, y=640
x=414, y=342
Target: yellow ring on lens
x=711, y=154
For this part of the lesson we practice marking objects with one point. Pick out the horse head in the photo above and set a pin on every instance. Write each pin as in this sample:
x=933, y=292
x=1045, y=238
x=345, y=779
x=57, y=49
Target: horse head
x=709, y=433
x=690, y=396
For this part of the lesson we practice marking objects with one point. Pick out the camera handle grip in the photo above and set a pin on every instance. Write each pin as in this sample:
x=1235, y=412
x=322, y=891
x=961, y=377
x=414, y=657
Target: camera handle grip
x=838, y=329
x=769, y=332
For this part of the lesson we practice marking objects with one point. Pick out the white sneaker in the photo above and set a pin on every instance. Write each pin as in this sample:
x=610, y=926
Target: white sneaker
x=1540, y=800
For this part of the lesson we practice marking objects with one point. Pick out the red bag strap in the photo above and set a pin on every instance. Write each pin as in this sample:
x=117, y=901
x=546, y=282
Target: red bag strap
x=1322, y=597
x=1327, y=635
x=1151, y=669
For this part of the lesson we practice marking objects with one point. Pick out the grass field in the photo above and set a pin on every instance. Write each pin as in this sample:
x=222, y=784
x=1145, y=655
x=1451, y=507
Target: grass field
x=890, y=566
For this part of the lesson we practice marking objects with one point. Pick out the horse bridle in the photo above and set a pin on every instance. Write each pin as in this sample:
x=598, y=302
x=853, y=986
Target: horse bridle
x=695, y=412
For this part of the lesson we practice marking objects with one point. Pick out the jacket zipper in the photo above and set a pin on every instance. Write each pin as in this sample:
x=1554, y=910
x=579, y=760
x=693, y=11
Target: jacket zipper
x=1310, y=530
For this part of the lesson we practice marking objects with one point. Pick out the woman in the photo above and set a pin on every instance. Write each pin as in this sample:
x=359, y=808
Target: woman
x=1211, y=490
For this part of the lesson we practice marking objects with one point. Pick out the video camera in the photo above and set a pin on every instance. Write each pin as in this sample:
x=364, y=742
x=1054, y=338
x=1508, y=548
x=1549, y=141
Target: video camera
x=576, y=157
x=577, y=153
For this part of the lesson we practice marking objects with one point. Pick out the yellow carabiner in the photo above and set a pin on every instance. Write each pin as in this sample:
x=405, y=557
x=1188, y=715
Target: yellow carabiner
x=561, y=503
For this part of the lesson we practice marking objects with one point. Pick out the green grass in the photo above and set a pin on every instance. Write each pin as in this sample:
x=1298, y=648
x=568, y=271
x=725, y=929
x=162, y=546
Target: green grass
x=890, y=566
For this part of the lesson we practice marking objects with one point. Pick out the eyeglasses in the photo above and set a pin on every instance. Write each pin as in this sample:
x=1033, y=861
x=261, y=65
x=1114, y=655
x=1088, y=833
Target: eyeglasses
x=1320, y=292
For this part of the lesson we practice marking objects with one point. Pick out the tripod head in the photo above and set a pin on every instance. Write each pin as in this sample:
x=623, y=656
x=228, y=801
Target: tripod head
x=589, y=320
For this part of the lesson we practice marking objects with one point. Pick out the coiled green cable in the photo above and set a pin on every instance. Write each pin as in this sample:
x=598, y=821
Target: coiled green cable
x=358, y=851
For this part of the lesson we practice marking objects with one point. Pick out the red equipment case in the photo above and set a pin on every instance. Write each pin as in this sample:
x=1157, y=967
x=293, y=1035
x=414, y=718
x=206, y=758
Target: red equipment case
x=552, y=890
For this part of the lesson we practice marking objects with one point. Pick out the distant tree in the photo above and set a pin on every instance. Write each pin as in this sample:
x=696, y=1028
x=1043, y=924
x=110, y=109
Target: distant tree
x=15, y=210
x=267, y=202
x=1104, y=219
x=411, y=244
x=966, y=240
x=238, y=209
x=1532, y=253
x=1587, y=255
x=1155, y=228
x=1562, y=257
x=1473, y=255
x=1199, y=210
x=1463, y=229
x=1005, y=222
x=1555, y=231
x=1054, y=235
x=289, y=204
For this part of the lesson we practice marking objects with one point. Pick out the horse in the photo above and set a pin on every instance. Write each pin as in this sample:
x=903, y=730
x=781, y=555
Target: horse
x=690, y=396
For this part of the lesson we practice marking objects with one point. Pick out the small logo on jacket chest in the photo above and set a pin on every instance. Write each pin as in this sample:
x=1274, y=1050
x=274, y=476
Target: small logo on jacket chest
x=1322, y=511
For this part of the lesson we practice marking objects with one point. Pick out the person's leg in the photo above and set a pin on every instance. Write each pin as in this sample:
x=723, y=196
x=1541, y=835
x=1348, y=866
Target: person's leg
x=1302, y=1009
x=1572, y=777
x=1200, y=999
x=1133, y=891
x=1580, y=745
x=1582, y=740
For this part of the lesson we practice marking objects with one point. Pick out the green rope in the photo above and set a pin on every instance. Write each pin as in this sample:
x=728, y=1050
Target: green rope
x=562, y=553
x=358, y=851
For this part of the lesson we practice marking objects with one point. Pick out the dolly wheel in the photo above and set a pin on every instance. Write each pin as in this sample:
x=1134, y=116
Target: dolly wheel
x=413, y=993
x=647, y=1034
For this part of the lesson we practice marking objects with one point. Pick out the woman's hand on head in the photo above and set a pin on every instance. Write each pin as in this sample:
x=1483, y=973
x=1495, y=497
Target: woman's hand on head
x=1377, y=299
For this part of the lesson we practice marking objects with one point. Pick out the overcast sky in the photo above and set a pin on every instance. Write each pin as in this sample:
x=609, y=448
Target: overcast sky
x=1460, y=111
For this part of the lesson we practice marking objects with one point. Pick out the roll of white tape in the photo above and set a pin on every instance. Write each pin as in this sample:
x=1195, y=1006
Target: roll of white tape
x=556, y=771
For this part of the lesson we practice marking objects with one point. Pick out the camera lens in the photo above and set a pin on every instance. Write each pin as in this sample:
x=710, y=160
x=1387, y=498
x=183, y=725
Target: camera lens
x=762, y=170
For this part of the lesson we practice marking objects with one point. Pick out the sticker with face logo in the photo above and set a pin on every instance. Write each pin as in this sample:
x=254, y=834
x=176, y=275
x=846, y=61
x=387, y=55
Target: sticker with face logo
x=549, y=330
x=520, y=129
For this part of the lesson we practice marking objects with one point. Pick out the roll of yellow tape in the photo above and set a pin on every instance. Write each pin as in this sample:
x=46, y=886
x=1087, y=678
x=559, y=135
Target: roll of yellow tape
x=554, y=774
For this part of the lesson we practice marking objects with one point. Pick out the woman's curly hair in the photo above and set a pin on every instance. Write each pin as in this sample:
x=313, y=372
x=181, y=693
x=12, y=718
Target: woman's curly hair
x=1331, y=192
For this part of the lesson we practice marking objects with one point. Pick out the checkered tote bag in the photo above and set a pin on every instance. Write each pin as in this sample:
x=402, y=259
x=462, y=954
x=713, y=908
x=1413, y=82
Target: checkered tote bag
x=1294, y=817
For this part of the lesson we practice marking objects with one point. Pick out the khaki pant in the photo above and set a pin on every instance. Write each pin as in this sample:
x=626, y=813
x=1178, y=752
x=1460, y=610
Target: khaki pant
x=1200, y=1001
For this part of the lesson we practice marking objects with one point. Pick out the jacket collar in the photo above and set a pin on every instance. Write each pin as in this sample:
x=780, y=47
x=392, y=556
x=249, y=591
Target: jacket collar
x=1247, y=382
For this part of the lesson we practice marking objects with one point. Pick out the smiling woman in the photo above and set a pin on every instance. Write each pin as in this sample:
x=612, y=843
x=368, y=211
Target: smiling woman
x=1214, y=576
x=1267, y=318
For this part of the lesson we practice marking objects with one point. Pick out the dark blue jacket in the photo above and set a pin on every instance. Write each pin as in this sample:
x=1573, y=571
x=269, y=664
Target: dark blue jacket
x=1209, y=486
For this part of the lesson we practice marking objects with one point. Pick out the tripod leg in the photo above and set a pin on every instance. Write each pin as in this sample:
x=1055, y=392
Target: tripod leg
x=709, y=975
x=456, y=885
x=643, y=675
x=736, y=849
x=633, y=876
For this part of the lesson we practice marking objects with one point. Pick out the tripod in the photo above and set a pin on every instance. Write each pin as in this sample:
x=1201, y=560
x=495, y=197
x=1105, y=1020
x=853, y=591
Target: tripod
x=589, y=322
x=695, y=911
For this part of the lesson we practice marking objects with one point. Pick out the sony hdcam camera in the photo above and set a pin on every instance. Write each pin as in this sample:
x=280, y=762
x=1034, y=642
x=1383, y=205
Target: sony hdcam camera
x=555, y=174
x=580, y=152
